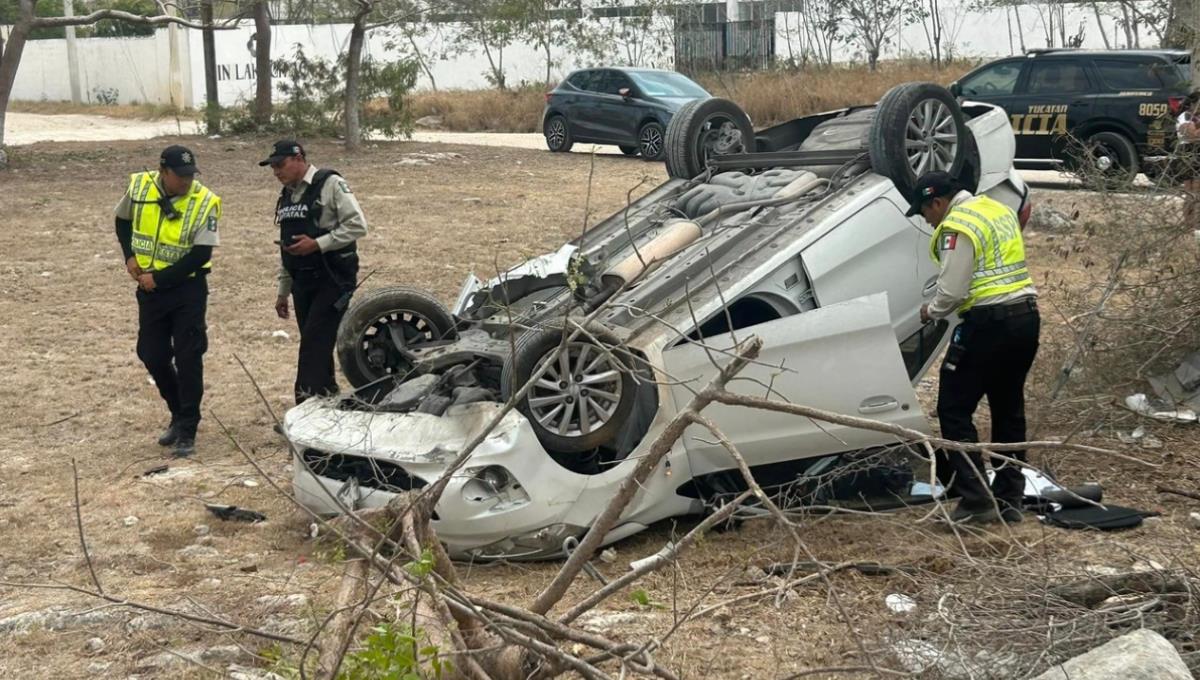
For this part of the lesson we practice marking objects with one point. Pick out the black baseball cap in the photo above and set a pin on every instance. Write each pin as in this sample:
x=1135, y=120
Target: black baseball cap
x=179, y=159
x=932, y=185
x=284, y=148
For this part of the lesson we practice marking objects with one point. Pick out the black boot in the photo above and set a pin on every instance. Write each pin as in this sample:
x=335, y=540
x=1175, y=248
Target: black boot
x=968, y=515
x=1010, y=512
x=169, y=435
x=184, y=447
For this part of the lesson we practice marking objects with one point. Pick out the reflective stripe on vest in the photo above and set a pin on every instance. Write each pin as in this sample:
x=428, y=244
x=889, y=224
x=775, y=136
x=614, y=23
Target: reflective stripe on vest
x=995, y=233
x=159, y=242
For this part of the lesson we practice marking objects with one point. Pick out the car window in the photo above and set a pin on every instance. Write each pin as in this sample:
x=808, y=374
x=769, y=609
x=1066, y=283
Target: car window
x=614, y=81
x=1136, y=74
x=996, y=79
x=665, y=84
x=585, y=80
x=1057, y=77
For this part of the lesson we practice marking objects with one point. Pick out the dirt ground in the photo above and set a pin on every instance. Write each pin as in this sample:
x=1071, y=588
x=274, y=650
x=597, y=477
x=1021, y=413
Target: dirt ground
x=74, y=391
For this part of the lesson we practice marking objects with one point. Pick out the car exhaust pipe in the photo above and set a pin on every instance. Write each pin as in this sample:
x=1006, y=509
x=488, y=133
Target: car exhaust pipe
x=677, y=236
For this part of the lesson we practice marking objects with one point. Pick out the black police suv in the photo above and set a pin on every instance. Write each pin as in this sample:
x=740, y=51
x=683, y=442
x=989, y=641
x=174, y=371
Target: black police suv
x=627, y=107
x=1119, y=104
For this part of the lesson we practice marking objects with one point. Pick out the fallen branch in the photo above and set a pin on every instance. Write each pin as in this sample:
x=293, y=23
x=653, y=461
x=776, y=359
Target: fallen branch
x=1177, y=492
x=1092, y=591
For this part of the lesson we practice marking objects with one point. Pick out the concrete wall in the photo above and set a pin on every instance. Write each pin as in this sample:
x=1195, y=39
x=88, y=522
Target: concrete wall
x=136, y=70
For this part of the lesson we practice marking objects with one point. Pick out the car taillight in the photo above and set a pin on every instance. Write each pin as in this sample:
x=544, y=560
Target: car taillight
x=1026, y=211
x=1175, y=104
x=548, y=97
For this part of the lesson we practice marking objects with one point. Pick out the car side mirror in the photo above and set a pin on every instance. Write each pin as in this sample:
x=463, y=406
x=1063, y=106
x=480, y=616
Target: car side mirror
x=625, y=92
x=955, y=89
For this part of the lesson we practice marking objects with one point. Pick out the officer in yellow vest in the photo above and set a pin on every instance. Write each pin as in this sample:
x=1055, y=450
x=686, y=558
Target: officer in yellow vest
x=167, y=227
x=977, y=242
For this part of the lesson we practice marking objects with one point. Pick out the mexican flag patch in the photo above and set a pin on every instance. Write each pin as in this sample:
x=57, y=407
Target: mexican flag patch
x=949, y=240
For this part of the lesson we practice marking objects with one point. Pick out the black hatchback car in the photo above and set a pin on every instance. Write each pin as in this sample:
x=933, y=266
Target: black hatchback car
x=628, y=107
x=1120, y=103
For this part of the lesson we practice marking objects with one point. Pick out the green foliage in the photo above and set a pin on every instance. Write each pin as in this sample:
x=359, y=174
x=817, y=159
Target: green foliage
x=642, y=598
x=10, y=12
x=395, y=652
x=315, y=97
x=423, y=567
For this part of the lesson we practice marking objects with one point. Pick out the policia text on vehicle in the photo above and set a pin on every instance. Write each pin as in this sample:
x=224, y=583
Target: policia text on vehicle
x=166, y=224
x=984, y=278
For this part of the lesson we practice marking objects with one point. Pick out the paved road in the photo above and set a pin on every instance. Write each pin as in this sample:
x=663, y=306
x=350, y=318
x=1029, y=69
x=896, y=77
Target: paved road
x=27, y=128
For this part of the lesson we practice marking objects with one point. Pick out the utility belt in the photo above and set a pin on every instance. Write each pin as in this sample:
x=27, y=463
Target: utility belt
x=1000, y=312
x=338, y=266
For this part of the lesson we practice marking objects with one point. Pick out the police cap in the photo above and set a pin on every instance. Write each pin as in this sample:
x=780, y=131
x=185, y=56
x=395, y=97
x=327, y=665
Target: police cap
x=179, y=159
x=284, y=148
x=932, y=185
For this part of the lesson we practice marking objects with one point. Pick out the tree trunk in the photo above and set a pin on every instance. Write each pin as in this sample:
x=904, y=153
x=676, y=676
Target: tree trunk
x=421, y=61
x=212, y=110
x=262, y=63
x=1100, y=25
x=358, y=35
x=10, y=59
x=1020, y=29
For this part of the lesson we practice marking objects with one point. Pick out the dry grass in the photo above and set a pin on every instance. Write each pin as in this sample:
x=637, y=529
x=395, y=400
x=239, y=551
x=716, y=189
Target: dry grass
x=127, y=111
x=769, y=97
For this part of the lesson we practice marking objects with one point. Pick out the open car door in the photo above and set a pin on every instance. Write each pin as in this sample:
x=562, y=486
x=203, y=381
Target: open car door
x=842, y=358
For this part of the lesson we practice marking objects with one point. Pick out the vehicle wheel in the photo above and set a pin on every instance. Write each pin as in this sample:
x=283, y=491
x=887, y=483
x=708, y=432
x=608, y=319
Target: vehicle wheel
x=651, y=139
x=586, y=394
x=918, y=127
x=558, y=134
x=380, y=323
x=702, y=129
x=629, y=150
x=1112, y=159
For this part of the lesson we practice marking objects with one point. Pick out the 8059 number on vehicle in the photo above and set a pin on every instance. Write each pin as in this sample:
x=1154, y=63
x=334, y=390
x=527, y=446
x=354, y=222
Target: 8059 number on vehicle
x=1152, y=110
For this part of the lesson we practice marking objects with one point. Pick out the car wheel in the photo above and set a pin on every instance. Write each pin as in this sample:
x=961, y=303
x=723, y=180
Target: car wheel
x=586, y=393
x=651, y=140
x=629, y=150
x=1111, y=159
x=702, y=129
x=558, y=134
x=381, y=324
x=918, y=127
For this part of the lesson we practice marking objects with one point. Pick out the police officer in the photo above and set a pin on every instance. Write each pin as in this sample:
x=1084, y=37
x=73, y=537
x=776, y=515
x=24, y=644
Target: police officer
x=977, y=242
x=167, y=227
x=320, y=222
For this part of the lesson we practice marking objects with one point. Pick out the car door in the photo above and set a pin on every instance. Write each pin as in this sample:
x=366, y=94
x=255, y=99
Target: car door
x=1054, y=97
x=617, y=117
x=876, y=249
x=841, y=358
x=995, y=83
x=583, y=113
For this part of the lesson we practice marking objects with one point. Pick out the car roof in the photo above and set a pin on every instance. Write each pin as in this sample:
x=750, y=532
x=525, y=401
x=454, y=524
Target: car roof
x=1071, y=51
x=626, y=69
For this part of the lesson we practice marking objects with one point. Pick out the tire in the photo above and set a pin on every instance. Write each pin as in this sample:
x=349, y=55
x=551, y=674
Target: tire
x=629, y=150
x=1113, y=159
x=563, y=431
x=937, y=139
x=558, y=134
x=704, y=128
x=652, y=141
x=365, y=346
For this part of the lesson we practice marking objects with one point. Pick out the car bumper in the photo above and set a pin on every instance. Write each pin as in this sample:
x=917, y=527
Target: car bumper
x=510, y=500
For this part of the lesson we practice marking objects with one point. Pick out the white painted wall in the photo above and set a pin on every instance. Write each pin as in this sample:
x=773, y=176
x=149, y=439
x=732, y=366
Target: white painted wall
x=135, y=68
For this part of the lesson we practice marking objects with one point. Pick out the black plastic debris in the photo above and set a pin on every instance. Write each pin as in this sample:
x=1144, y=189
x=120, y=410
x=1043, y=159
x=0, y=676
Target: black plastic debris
x=234, y=513
x=156, y=470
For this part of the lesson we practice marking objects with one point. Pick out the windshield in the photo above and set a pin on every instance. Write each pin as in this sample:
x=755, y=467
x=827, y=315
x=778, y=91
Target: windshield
x=666, y=84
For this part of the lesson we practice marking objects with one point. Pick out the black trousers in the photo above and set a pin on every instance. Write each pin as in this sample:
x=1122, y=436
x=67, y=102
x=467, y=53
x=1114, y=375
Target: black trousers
x=172, y=339
x=314, y=295
x=995, y=359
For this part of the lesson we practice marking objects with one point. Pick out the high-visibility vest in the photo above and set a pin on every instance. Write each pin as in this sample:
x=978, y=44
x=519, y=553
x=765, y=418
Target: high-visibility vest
x=159, y=241
x=995, y=233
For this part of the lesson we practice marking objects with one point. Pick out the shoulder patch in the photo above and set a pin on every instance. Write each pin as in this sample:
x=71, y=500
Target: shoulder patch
x=344, y=186
x=949, y=241
x=212, y=223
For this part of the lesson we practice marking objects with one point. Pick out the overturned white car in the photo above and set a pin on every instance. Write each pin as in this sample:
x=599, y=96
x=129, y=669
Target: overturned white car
x=795, y=234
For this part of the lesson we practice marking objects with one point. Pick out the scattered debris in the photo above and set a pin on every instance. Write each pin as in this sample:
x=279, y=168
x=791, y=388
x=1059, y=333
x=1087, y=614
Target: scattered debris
x=282, y=601
x=281, y=334
x=1140, y=655
x=1092, y=591
x=901, y=604
x=129, y=521
x=197, y=552
x=599, y=622
x=1139, y=403
x=314, y=530
x=1139, y=438
x=608, y=556
x=201, y=530
x=233, y=512
x=94, y=646
x=429, y=122
x=1181, y=386
x=1045, y=218
x=1194, y=520
x=249, y=483
x=156, y=470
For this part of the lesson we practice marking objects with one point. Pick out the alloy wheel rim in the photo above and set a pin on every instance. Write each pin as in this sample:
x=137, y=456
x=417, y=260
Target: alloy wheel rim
x=557, y=134
x=651, y=141
x=391, y=333
x=931, y=137
x=579, y=392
